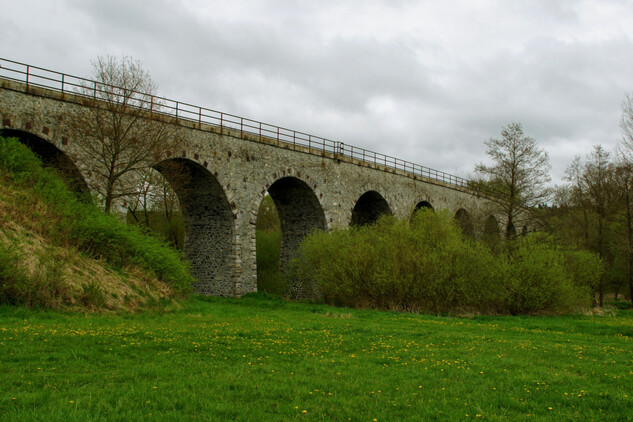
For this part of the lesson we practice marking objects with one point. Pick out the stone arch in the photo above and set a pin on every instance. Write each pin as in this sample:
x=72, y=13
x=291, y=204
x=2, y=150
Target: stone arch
x=492, y=232
x=423, y=204
x=465, y=222
x=369, y=207
x=209, y=224
x=299, y=211
x=51, y=156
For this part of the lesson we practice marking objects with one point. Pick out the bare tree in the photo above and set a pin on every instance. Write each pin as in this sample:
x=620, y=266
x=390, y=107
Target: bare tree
x=626, y=126
x=117, y=130
x=624, y=236
x=520, y=173
x=577, y=196
x=624, y=175
x=600, y=196
x=156, y=205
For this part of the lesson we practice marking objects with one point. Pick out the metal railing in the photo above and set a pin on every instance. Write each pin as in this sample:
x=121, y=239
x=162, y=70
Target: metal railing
x=34, y=76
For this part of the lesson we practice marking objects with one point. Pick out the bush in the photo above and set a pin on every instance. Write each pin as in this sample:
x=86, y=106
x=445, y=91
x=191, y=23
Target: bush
x=43, y=288
x=427, y=265
x=543, y=277
x=422, y=265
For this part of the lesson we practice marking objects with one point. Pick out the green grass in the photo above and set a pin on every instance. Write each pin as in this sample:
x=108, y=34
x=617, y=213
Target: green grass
x=259, y=358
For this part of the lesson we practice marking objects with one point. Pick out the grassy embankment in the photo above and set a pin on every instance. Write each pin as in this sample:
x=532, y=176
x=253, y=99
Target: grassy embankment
x=57, y=251
x=265, y=359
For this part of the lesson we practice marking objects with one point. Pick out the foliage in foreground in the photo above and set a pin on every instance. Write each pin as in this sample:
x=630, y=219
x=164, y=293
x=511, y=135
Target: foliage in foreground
x=427, y=265
x=78, y=224
x=263, y=359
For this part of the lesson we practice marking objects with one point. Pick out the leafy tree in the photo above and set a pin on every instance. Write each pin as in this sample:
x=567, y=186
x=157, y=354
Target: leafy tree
x=520, y=173
x=114, y=131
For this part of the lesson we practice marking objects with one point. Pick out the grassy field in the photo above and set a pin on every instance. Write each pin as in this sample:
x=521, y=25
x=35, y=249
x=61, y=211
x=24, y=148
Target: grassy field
x=259, y=358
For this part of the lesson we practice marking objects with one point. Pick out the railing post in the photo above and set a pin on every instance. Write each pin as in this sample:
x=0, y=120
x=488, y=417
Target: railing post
x=199, y=117
x=63, y=83
x=28, y=71
x=241, y=127
x=177, y=103
x=95, y=91
x=277, y=135
x=260, y=131
x=221, y=122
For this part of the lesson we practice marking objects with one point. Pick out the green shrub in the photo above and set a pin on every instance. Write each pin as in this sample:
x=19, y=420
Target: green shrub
x=91, y=295
x=427, y=265
x=44, y=287
x=542, y=277
x=18, y=160
x=422, y=265
x=13, y=278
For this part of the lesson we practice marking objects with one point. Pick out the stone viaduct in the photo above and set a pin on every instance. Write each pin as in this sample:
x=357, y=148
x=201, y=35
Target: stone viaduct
x=233, y=162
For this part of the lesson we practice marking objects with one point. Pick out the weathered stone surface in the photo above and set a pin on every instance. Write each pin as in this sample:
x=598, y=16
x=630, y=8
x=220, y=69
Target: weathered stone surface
x=230, y=174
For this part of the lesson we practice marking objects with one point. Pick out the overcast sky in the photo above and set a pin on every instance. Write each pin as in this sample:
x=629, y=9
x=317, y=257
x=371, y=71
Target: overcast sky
x=426, y=81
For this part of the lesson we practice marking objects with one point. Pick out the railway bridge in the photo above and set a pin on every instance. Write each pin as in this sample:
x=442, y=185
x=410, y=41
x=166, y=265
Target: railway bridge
x=233, y=162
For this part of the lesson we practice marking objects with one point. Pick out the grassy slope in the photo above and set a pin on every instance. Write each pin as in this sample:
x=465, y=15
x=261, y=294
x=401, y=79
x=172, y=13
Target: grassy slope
x=264, y=359
x=79, y=282
x=59, y=252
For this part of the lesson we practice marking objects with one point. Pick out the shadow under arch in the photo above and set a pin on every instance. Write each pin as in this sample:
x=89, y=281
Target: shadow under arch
x=492, y=232
x=209, y=224
x=465, y=223
x=299, y=212
x=369, y=207
x=423, y=204
x=52, y=156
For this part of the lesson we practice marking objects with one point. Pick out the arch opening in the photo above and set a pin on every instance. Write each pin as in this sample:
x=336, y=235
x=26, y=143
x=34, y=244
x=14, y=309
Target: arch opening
x=208, y=223
x=369, y=207
x=423, y=204
x=299, y=212
x=465, y=223
x=268, y=244
x=53, y=157
x=154, y=205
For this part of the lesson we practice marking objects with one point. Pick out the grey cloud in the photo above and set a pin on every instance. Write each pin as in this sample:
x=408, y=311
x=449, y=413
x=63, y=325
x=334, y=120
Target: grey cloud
x=414, y=94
